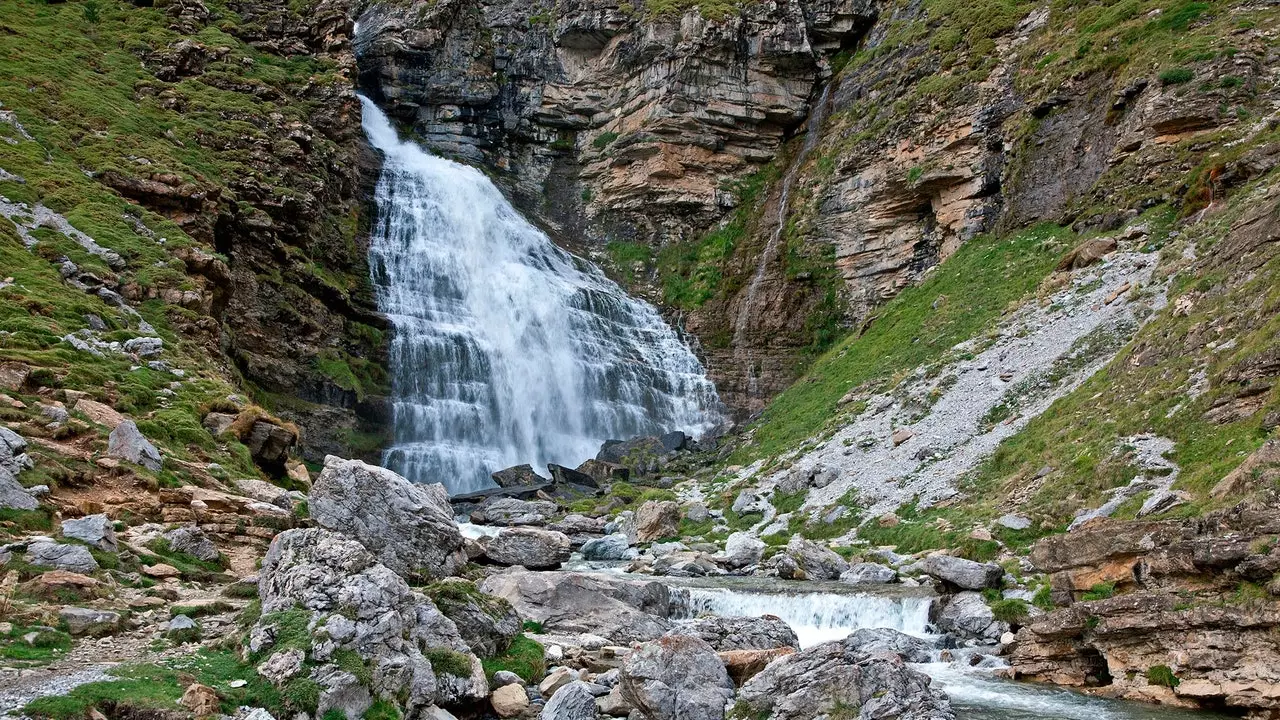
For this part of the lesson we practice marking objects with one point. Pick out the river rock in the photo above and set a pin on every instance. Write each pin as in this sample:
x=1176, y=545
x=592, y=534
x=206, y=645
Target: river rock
x=409, y=527
x=358, y=603
x=509, y=700
x=528, y=547
x=576, y=524
x=128, y=443
x=868, y=574
x=867, y=642
x=965, y=574
x=609, y=547
x=95, y=530
x=739, y=633
x=572, y=702
x=657, y=519
x=967, y=615
x=742, y=549
x=72, y=558
x=621, y=610
x=191, y=540
x=815, y=561
x=687, y=564
x=89, y=621
x=513, y=511
x=676, y=677
x=518, y=476
x=856, y=676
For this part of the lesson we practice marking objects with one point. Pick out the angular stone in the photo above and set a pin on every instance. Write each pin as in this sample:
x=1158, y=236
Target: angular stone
x=676, y=678
x=128, y=443
x=95, y=530
x=609, y=547
x=192, y=541
x=868, y=574
x=657, y=519
x=89, y=621
x=98, y=413
x=72, y=558
x=965, y=574
x=509, y=700
x=528, y=547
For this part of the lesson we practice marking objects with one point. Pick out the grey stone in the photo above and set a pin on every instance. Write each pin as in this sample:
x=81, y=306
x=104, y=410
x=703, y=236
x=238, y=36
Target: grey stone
x=96, y=530
x=1014, y=522
x=128, y=443
x=73, y=558
x=182, y=629
x=742, y=549
x=282, y=666
x=609, y=547
x=486, y=623
x=621, y=610
x=868, y=574
x=739, y=633
x=191, y=540
x=144, y=346
x=676, y=677
x=506, y=677
x=89, y=621
x=696, y=512
x=968, y=616
x=571, y=702
x=528, y=547
x=13, y=460
x=410, y=528
x=965, y=574
x=815, y=561
x=513, y=511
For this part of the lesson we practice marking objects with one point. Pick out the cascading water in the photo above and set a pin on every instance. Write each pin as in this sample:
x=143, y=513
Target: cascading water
x=817, y=617
x=507, y=349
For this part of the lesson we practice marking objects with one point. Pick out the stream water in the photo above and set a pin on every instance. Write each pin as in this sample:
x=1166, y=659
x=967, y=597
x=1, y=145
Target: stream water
x=834, y=611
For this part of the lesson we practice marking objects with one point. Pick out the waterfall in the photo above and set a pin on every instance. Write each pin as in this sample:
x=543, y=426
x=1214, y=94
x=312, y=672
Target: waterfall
x=817, y=617
x=505, y=348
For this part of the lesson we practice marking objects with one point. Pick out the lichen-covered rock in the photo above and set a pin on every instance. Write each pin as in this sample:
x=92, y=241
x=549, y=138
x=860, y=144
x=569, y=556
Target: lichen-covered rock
x=487, y=623
x=621, y=610
x=740, y=633
x=72, y=558
x=356, y=603
x=657, y=519
x=676, y=677
x=814, y=561
x=857, y=675
x=191, y=540
x=128, y=443
x=410, y=528
x=528, y=547
x=95, y=530
x=965, y=574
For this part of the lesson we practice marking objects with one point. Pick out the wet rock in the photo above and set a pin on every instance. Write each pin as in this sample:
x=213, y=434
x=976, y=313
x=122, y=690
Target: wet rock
x=867, y=642
x=657, y=519
x=676, y=678
x=739, y=633
x=965, y=574
x=518, y=476
x=409, y=527
x=89, y=621
x=621, y=610
x=72, y=558
x=127, y=443
x=644, y=455
x=94, y=530
x=609, y=547
x=687, y=564
x=868, y=574
x=968, y=615
x=192, y=541
x=863, y=681
x=528, y=547
x=742, y=549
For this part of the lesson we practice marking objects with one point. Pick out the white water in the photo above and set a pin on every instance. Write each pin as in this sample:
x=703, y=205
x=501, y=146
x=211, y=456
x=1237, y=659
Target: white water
x=507, y=349
x=818, y=617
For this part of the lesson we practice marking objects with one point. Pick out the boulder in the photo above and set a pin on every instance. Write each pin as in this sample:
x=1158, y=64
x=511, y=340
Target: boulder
x=513, y=511
x=161, y=571
x=89, y=621
x=409, y=527
x=518, y=476
x=357, y=603
x=742, y=549
x=13, y=460
x=561, y=475
x=486, y=623
x=144, y=346
x=817, y=562
x=509, y=700
x=94, y=530
x=182, y=629
x=127, y=443
x=696, y=512
x=868, y=574
x=604, y=473
x=965, y=574
x=742, y=665
x=1087, y=253
x=614, y=704
x=575, y=524
x=609, y=547
x=192, y=541
x=269, y=444
x=573, y=702
x=620, y=610
x=1013, y=522
x=687, y=564
x=72, y=558
x=676, y=677
x=657, y=519
x=217, y=423
x=282, y=666
x=201, y=700
x=60, y=584
x=528, y=547
x=739, y=633
x=857, y=676
x=967, y=615
x=642, y=454
x=868, y=642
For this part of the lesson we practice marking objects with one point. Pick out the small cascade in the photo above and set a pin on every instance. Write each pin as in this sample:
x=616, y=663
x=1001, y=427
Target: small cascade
x=812, y=135
x=817, y=617
x=505, y=348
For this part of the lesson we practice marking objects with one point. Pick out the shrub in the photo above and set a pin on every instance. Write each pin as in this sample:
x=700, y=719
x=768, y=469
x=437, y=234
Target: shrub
x=1012, y=611
x=1162, y=675
x=1176, y=76
x=604, y=140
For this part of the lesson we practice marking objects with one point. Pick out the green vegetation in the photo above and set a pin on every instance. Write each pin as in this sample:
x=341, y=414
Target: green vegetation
x=1177, y=76
x=976, y=285
x=1162, y=675
x=1100, y=591
x=624, y=256
x=711, y=9
x=46, y=646
x=524, y=658
x=604, y=140
x=1012, y=611
x=448, y=662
